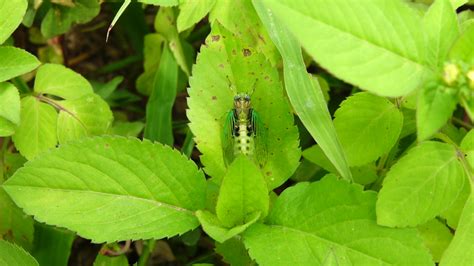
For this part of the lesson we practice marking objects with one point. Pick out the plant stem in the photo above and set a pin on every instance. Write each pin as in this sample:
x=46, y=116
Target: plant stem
x=462, y=123
x=147, y=250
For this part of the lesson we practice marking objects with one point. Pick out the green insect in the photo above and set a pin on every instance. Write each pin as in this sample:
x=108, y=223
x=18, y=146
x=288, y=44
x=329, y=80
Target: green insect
x=244, y=132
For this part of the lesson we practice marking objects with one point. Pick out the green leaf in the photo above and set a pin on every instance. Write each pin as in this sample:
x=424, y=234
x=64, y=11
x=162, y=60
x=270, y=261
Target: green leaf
x=191, y=12
x=88, y=115
x=160, y=103
x=349, y=43
x=233, y=252
x=52, y=245
x=219, y=232
x=37, y=129
x=9, y=109
x=155, y=198
x=226, y=58
x=102, y=260
x=11, y=15
x=312, y=222
x=160, y=2
x=304, y=93
x=15, y=62
x=467, y=145
x=453, y=213
x=462, y=48
x=11, y=254
x=441, y=25
x=436, y=237
x=127, y=129
x=152, y=55
x=436, y=104
x=60, y=18
x=368, y=126
x=421, y=185
x=460, y=250
x=15, y=225
x=60, y=81
x=243, y=192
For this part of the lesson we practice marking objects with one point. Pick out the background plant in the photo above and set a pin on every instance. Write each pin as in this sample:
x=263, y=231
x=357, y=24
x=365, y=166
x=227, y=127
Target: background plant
x=370, y=140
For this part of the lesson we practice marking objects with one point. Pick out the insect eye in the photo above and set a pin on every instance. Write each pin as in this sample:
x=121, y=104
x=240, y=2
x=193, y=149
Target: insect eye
x=247, y=98
x=236, y=97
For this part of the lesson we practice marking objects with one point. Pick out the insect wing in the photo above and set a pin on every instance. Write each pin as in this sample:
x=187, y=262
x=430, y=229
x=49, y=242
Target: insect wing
x=260, y=138
x=227, y=137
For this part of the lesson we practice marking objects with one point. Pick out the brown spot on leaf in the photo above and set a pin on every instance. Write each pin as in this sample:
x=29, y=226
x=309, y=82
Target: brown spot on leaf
x=215, y=38
x=214, y=98
x=246, y=52
x=221, y=65
x=268, y=173
x=266, y=77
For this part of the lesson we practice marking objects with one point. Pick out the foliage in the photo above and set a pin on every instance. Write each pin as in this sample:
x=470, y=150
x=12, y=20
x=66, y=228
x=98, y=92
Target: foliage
x=366, y=134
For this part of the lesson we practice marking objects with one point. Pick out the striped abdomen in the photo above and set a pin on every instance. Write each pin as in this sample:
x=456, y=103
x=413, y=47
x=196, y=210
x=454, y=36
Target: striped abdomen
x=243, y=141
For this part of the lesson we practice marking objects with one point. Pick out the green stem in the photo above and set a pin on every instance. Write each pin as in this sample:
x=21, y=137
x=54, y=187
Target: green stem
x=462, y=123
x=21, y=85
x=5, y=142
x=147, y=250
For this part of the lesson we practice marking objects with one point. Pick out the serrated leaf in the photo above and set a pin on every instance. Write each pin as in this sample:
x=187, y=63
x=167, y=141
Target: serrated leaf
x=15, y=62
x=441, y=25
x=155, y=198
x=15, y=225
x=421, y=185
x=368, y=126
x=311, y=221
x=233, y=252
x=9, y=109
x=243, y=192
x=11, y=15
x=436, y=237
x=11, y=254
x=37, y=129
x=220, y=232
x=304, y=92
x=60, y=81
x=227, y=58
x=191, y=12
x=462, y=48
x=436, y=104
x=350, y=45
x=460, y=250
x=88, y=115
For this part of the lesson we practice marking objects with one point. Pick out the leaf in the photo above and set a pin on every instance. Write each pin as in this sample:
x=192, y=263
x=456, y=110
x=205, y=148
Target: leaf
x=155, y=198
x=60, y=81
x=368, y=126
x=441, y=24
x=159, y=107
x=152, y=55
x=60, y=18
x=52, y=245
x=243, y=193
x=350, y=46
x=9, y=108
x=191, y=12
x=15, y=62
x=219, y=232
x=11, y=254
x=160, y=2
x=436, y=104
x=462, y=48
x=304, y=92
x=467, y=145
x=102, y=260
x=459, y=251
x=37, y=130
x=226, y=58
x=453, y=213
x=436, y=236
x=119, y=13
x=127, y=129
x=421, y=185
x=88, y=115
x=310, y=222
x=15, y=225
x=11, y=15
x=233, y=252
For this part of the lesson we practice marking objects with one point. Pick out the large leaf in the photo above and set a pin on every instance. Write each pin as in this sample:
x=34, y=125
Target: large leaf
x=60, y=81
x=330, y=220
x=436, y=236
x=420, y=186
x=305, y=94
x=37, y=129
x=368, y=127
x=349, y=42
x=10, y=254
x=15, y=61
x=88, y=115
x=52, y=245
x=226, y=58
x=462, y=48
x=460, y=250
x=11, y=15
x=116, y=189
x=243, y=193
x=191, y=12
x=441, y=25
x=9, y=108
